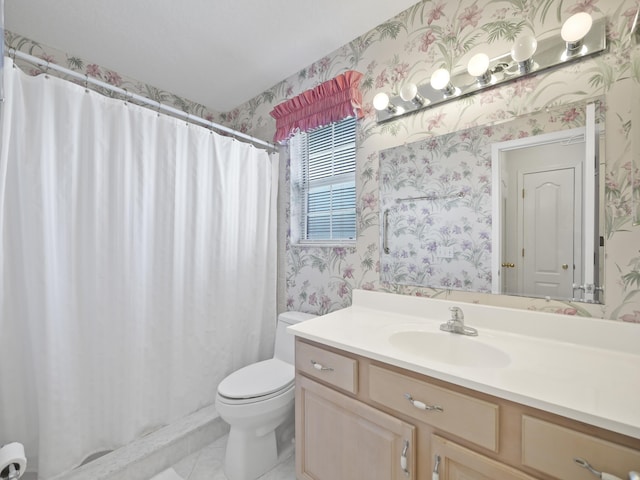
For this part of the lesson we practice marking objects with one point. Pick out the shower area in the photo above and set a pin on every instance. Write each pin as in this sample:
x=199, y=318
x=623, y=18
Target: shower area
x=137, y=269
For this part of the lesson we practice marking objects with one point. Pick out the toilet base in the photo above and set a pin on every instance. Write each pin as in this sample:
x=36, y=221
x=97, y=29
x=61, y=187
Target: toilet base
x=249, y=456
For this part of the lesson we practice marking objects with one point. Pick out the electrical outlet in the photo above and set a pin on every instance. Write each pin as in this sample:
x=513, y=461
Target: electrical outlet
x=444, y=252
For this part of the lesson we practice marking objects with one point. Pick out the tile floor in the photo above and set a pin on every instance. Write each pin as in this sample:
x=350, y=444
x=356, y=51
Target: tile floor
x=206, y=464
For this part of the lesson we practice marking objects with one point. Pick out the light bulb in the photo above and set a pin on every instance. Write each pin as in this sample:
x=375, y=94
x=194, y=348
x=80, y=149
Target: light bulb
x=573, y=31
x=576, y=27
x=381, y=101
x=522, y=52
x=478, y=67
x=523, y=48
x=409, y=93
x=440, y=79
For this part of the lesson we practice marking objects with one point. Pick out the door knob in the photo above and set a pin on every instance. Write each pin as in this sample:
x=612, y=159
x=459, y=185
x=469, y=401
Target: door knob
x=509, y=265
x=565, y=266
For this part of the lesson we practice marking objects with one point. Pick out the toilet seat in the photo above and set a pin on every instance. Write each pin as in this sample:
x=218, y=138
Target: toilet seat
x=257, y=382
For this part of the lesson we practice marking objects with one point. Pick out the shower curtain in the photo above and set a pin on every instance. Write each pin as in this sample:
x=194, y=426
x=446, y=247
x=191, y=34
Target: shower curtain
x=137, y=268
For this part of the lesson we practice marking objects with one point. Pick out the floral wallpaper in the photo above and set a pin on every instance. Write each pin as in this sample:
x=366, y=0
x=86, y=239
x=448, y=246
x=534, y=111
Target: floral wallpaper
x=409, y=47
x=14, y=41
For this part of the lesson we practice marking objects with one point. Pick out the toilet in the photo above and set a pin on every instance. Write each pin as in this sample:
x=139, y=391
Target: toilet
x=254, y=401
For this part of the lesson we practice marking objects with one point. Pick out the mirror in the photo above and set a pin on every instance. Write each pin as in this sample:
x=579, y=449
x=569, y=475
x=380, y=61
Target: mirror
x=634, y=170
x=633, y=178
x=450, y=221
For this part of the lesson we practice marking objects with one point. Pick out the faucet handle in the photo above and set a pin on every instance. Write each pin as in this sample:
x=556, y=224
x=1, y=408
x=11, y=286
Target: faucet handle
x=456, y=313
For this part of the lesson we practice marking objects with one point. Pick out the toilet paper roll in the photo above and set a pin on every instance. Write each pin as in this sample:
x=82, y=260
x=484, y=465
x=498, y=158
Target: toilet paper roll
x=12, y=454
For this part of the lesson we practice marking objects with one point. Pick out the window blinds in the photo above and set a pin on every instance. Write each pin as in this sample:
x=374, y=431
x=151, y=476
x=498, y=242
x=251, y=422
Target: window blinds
x=327, y=182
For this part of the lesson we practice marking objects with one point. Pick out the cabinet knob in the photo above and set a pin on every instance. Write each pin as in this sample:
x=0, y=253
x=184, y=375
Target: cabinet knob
x=565, y=266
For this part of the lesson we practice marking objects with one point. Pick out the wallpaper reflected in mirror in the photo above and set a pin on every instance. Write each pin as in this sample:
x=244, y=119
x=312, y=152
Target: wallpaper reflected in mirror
x=436, y=201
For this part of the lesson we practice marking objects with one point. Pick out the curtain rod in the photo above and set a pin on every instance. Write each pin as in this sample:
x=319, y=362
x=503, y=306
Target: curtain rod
x=133, y=96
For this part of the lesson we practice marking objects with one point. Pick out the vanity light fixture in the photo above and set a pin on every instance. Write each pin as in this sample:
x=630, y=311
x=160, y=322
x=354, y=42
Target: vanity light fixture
x=478, y=67
x=580, y=37
x=381, y=103
x=409, y=93
x=522, y=52
x=441, y=80
x=574, y=29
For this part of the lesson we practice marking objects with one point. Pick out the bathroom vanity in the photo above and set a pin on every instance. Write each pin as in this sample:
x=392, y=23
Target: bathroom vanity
x=383, y=393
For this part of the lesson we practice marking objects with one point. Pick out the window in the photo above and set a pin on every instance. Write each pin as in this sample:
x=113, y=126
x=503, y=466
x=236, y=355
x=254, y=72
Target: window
x=324, y=188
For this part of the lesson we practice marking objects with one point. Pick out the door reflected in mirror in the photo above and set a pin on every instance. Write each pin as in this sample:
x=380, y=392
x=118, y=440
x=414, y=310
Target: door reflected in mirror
x=541, y=202
x=450, y=221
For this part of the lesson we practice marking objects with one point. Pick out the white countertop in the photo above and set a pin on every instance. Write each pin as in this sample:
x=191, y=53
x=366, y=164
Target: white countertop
x=581, y=368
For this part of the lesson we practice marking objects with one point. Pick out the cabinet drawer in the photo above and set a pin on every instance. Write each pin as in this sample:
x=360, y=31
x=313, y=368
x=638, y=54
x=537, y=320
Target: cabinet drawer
x=551, y=449
x=466, y=417
x=330, y=367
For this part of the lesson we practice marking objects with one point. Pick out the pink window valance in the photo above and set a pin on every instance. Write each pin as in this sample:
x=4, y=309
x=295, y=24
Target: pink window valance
x=329, y=102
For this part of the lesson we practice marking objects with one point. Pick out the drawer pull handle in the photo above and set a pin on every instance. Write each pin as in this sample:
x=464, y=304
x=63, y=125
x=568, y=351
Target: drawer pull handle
x=436, y=467
x=603, y=475
x=403, y=457
x=319, y=366
x=422, y=405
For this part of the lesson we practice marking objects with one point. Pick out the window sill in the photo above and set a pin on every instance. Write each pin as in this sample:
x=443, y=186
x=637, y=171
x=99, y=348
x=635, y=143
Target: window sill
x=326, y=244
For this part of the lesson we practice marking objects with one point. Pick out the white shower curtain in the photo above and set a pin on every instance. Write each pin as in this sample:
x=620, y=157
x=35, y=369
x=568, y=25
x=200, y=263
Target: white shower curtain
x=137, y=268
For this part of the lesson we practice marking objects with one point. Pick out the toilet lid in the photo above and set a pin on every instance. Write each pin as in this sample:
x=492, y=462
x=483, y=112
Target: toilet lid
x=258, y=379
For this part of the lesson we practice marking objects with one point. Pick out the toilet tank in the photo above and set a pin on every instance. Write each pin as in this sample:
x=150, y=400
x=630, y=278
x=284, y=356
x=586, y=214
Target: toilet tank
x=284, y=347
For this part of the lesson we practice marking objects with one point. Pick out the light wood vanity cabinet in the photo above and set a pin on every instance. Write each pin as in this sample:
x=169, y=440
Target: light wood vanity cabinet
x=340, y=437
x=355, y=416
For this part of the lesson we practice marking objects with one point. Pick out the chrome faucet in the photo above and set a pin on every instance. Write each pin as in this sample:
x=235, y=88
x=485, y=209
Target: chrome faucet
x=456, y=323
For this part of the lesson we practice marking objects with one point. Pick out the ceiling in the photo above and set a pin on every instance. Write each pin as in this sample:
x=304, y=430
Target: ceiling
x=220, y=53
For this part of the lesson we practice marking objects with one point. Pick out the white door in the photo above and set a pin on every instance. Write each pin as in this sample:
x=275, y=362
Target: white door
x=552, y=216
x=547, y=257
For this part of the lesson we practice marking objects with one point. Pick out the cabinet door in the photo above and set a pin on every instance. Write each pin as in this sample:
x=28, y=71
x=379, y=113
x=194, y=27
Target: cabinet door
x=339, y=438
x=459, y=463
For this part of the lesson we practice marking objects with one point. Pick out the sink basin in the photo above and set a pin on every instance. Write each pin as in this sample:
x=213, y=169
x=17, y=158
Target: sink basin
x=450, y=348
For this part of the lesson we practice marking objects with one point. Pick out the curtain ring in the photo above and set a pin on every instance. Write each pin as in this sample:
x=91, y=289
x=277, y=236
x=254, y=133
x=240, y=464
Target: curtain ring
x=126, y=96
x=46, y=70
x=159, y=107
x=86, y=83
x=14, y=57
x=187, y=121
